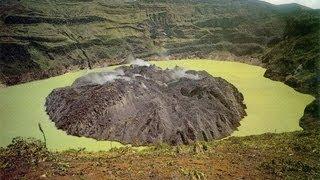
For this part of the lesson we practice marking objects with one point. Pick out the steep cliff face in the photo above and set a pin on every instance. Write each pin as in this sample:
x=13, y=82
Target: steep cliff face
x=145, y=104
x=295, y=61
x=52, y=37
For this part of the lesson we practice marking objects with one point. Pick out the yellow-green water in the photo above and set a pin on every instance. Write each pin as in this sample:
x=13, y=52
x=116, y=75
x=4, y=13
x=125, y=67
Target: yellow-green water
x=271, y=106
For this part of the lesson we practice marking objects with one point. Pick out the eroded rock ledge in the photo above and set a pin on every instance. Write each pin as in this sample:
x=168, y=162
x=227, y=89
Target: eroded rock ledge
x=145, y=104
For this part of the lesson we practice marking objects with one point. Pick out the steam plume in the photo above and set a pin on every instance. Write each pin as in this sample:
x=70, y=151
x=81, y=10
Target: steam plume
x=178, y=73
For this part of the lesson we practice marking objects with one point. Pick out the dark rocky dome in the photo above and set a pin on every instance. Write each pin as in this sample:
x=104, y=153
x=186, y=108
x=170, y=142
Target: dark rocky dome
x=145, y=104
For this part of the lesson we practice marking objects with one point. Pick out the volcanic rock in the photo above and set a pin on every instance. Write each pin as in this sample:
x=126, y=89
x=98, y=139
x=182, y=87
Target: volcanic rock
x=145, y=104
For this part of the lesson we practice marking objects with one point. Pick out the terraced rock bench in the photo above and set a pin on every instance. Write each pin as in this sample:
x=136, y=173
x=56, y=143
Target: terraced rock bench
x=24, y=19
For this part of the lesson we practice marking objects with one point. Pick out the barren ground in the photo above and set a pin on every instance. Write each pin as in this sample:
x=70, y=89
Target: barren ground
x=289, y=155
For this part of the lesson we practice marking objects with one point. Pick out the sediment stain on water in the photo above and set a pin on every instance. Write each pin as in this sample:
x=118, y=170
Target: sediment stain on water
x=271, y=106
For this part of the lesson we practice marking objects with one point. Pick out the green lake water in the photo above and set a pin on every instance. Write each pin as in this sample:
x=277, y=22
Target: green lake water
x=271, y=106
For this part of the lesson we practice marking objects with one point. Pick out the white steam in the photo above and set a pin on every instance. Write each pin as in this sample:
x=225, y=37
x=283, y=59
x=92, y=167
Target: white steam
x=136, y=61
x=102, y=78
x=140, y=62
x=110, y=76
x=178, y=73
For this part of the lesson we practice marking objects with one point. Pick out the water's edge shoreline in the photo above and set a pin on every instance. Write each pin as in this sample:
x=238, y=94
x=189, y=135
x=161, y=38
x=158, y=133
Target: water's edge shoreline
x=307, y=122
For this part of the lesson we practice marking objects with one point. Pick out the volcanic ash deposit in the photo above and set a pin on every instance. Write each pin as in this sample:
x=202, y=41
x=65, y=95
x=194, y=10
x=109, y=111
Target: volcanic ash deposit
x=143, y=104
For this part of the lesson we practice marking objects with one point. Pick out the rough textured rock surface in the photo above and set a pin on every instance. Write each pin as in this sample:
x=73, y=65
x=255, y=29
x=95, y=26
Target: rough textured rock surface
x=295, y=61
x=145, y=104
x=41, y=39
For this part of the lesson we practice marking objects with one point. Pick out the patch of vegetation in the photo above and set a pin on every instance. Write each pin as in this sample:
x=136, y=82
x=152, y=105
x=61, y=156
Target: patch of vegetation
x=295, y=61
x=281, y=166
x=62, y=35
x=23, y=154
x=286, y=155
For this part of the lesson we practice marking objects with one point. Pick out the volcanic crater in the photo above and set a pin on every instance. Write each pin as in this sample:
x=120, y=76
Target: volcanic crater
x=144, y=104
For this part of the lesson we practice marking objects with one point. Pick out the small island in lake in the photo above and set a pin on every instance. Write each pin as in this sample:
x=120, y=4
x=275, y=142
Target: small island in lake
x=143, y=104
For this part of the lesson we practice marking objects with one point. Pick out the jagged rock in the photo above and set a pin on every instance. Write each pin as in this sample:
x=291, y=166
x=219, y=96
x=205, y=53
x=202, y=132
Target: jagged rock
x=310, y=121
x=79, y=34
x=145, y=104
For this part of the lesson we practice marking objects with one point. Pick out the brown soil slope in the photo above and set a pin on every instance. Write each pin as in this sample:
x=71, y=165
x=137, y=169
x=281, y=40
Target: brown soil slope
x=270, y=156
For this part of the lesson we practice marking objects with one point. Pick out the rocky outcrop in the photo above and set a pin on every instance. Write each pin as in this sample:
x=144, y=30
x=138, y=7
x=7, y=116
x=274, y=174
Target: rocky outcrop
x=145, y=104
x=311, y=118
x=18, y=19
x=40, y=39
x=63, y=34
x=294, y=60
